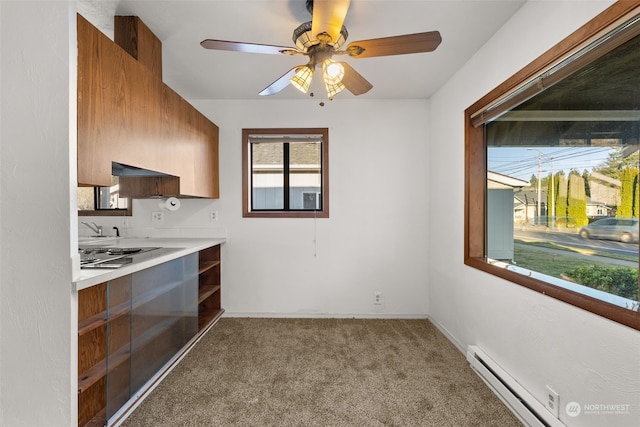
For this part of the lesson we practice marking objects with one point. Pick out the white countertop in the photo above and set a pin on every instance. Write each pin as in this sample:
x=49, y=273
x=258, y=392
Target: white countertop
x=184, y=246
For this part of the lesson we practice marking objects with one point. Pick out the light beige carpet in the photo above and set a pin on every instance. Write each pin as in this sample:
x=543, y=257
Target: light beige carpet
x=322, y=372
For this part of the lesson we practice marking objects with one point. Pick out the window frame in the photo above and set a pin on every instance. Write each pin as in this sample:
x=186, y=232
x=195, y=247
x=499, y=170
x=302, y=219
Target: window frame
x=106, y=211
x=476, y=167
x=246, y=174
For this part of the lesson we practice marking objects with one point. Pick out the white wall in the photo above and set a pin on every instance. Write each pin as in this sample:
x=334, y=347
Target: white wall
x=374, y=240
x=538, y=340
x=376, y=237
x=37, y=355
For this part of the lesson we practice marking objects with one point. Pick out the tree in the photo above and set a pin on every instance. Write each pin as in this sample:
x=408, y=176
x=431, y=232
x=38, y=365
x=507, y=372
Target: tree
x=636, y=196
x=628, y=179
x=551, y=207
x=617, y=162
x=577, y=200
x=585, y=176
x=561, y=195
x=533, y=181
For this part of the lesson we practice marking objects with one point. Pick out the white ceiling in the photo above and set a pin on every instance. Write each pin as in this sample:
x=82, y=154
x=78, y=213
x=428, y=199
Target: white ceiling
x=198, y=73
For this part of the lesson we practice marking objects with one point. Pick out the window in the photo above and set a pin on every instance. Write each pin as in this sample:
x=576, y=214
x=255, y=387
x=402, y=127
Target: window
x=285, y=173
x=103, y=201
x=127, y=182
x=552, y=185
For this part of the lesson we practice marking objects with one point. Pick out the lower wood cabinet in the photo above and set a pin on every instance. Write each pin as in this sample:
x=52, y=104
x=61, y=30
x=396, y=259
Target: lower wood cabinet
x=130, y=329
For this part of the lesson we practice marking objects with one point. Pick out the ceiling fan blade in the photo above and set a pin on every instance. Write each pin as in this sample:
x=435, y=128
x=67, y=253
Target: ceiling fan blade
x=279, y=84
x=328, y=16
x=396, y=45
x=353, y=81
x=243, y=47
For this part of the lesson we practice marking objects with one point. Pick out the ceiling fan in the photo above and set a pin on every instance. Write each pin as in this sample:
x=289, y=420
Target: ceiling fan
x=320, y=39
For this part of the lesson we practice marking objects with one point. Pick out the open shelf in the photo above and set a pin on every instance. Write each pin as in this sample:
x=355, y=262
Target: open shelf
x=208, y=318
x=206, y=291
x=207, y=265
x=98, y=420
x=209, y=309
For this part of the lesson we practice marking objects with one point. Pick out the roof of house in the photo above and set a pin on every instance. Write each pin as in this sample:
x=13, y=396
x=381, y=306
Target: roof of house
x=502, y=181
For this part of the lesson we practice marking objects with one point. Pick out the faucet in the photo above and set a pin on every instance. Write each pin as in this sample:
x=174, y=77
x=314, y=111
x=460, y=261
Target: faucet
x=95, y=227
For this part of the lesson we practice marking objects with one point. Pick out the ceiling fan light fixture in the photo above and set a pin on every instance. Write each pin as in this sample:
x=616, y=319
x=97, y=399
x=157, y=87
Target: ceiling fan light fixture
x=332, y=71
x=342, y=37
x=301, y=80
x=333, y=89
x=302, y=36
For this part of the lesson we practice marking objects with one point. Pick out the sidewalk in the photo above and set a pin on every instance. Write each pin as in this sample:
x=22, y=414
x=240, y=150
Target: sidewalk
x=598, y=258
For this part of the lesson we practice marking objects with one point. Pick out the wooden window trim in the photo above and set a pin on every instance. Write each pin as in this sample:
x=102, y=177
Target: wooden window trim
x=246, y=174
x=107, y=212
x=476, y=168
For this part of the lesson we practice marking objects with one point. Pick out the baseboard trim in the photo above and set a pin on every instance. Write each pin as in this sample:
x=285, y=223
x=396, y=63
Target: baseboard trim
x=326, y=315
x=448, y=335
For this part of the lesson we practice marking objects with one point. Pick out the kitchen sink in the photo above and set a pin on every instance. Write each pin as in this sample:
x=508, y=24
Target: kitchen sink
x=97, y=240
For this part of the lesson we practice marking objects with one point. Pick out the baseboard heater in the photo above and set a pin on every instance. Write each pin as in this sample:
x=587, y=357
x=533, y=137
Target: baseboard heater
x=520, y=401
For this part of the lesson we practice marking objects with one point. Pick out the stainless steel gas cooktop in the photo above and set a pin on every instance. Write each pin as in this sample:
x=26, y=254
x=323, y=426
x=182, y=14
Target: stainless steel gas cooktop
x=116, y=257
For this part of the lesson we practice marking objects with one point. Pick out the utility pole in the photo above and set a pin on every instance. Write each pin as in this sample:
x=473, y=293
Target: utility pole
x=553, y=198
x=539, y=187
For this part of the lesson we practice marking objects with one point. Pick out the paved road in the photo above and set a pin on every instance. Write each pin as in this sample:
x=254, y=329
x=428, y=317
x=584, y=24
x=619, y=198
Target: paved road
x=575, y=241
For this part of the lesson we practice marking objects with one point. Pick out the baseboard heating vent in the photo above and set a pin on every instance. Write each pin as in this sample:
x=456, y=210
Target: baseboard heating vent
x=522, y=403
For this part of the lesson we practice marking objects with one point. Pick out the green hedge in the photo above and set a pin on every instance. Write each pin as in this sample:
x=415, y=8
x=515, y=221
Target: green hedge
x=621, y=281
x=627, y=192
x=577, y=200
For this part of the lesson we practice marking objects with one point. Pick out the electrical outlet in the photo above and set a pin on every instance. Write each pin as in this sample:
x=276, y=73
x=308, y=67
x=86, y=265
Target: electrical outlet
x=213, y=216
x=553, y=402
x=157, y=216
x=377, y=298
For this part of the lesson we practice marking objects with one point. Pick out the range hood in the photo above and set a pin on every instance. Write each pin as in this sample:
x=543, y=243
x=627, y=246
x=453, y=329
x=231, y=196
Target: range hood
x=144, y=183
x=119, y=169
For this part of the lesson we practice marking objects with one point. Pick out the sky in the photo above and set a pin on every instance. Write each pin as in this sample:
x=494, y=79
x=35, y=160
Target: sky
x=521, y=163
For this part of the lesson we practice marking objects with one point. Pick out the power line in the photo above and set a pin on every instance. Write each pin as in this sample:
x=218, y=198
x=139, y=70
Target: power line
x=510, y=166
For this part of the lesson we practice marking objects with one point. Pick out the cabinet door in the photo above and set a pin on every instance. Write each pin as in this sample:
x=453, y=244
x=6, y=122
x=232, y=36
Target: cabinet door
x=164, y=315
x=118, y=343
x=104, y=317
x=128, y=329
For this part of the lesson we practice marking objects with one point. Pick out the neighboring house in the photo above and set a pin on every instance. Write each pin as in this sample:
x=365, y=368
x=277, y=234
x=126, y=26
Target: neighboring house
x=525, y=205
x=597, y=209
x=604, y=189
x=500, y=207
x=268, y=175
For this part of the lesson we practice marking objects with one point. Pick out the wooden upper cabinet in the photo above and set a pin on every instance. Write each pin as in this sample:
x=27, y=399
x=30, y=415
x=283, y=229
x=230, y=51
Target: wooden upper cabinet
x=127, y=115
x=131, y=34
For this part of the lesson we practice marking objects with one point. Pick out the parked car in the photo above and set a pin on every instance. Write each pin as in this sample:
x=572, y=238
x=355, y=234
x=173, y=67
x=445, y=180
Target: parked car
x=622, y=229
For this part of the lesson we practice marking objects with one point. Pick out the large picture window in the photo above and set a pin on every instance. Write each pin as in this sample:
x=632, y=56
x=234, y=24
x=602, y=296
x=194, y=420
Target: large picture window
x=552, y=193
x=285, y=172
